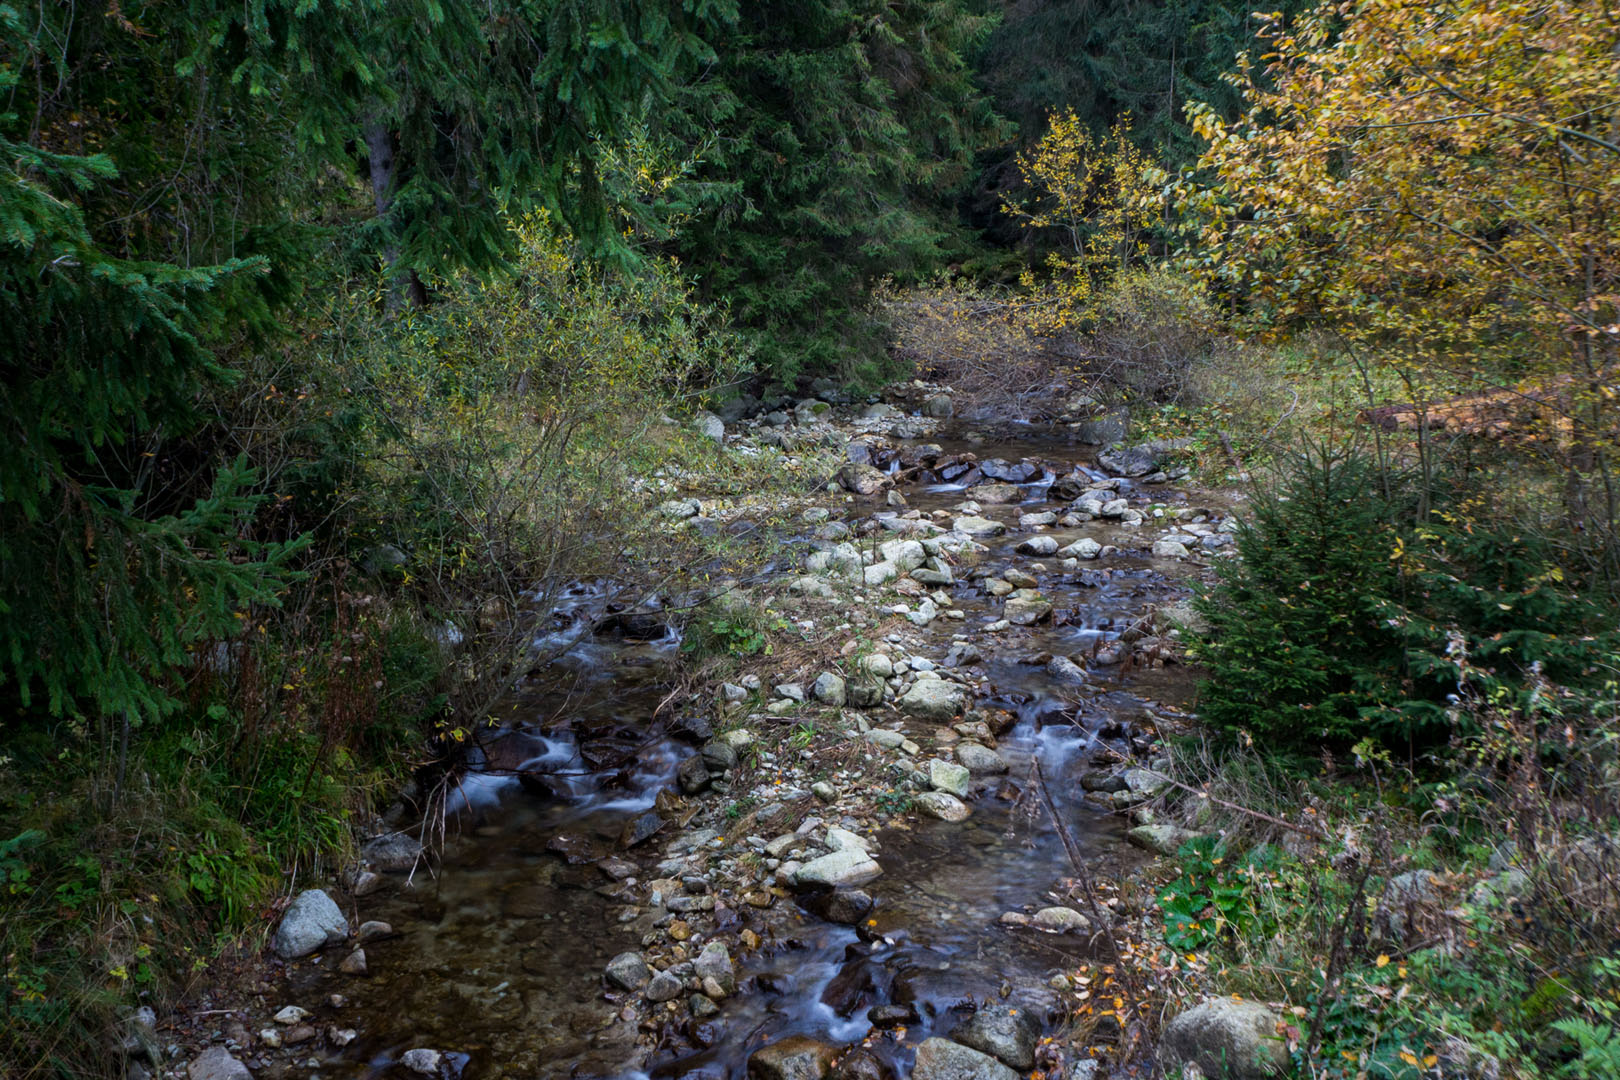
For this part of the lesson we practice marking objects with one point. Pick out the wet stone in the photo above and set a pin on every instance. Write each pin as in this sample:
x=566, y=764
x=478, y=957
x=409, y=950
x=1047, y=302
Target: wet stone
x=945, y=807
x=628, y=971
x=947, y=777
x=846, y=906
x=692, y=775
x=640, y=828
x=797, y=1057
x=851, y=867
x=942, y=1059
x=1004, y=1032
x=1060, y=920
x=664, y=986
x=980, y=760
x=422, y=1062
x=886, y=1016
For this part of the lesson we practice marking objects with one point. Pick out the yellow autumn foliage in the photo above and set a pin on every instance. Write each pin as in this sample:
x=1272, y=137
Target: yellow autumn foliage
x=1441, y=184
x=1095, y=194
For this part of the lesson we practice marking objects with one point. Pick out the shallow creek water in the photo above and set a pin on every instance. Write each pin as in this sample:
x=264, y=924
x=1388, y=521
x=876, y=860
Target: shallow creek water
x=499, y=949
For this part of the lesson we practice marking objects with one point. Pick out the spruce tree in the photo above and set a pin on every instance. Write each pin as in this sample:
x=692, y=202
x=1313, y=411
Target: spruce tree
x=104, y=587
x=835, y=135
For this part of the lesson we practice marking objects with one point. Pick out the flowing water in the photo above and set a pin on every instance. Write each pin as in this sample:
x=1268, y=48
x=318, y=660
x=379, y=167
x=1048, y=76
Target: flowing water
x=499, y=948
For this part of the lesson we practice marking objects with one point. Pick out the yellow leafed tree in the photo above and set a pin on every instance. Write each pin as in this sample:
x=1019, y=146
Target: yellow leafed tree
x=1094, y=194
x=1440, y=182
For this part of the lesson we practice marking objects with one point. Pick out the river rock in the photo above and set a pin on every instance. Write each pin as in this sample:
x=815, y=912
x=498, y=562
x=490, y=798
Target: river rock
x=216, y=1063
x=829, y=689
x=312, y=922
x=373, y=930
x=692, y=775
x=1169, y=549
x=862, y=479
x=884, y=737
x=995, y=494
x=932, y=699
x=880, y=573
x=1022, y=612
x=1227, y=1040
x=980, y=760
x=718, y=756
x=640, y=828
x=849, y=867
x=938, y=407
x=392, y=852
x=628, y=971
x=1004, y=1032
x=354, y=963
x=843, y=840
x=1162, y=839
x=1066, y=671
x=1083, y=548
x=945, y=807
x=878, y=665
x=1038, y=545
x=972, y=525
x=1060, y=920
x=948, y=777
x=797, y=1057
x=846, y=906
x=1127, y=461
x=664, y=986
x=709, y=426
x=809, y=410
x=860, y=1065
x=942, y=1059
x=714, y=962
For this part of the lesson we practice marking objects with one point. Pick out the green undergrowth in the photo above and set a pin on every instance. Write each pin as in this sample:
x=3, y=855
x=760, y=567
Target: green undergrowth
x=1503, y=966
x=132, y=857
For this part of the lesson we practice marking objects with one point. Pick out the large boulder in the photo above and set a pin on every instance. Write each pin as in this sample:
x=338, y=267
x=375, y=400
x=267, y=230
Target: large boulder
x=933, y=699
x=1005, y=1033
x=797, y=1057
x=1110, y=427
x=942, y=1059
x=939, y=407
x=1227, y=1039
x=312, y=922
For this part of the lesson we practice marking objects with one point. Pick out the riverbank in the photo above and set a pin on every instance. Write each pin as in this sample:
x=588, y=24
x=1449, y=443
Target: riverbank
x=846, y=812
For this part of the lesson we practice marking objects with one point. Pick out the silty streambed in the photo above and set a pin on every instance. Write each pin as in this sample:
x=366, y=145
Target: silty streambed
x=499, y=951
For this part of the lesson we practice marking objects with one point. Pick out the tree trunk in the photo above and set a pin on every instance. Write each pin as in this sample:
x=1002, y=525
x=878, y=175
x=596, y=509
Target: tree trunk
x=405, y=286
